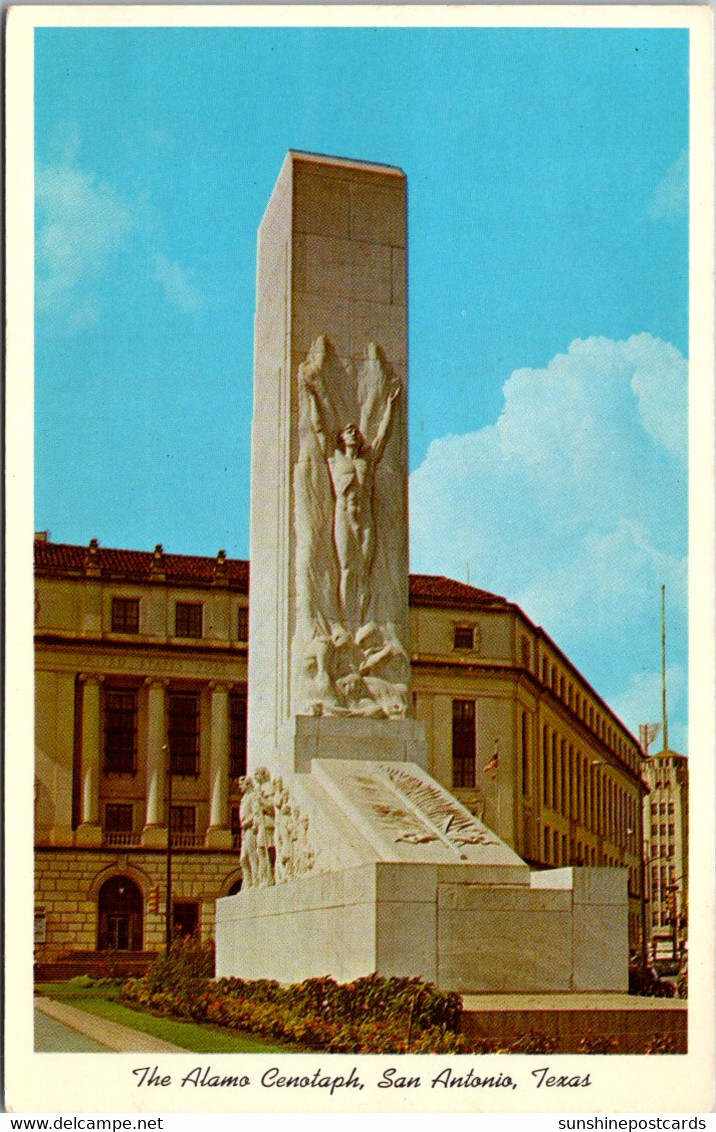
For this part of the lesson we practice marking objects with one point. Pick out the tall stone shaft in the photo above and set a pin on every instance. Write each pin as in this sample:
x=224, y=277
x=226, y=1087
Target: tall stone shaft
x=329, y=502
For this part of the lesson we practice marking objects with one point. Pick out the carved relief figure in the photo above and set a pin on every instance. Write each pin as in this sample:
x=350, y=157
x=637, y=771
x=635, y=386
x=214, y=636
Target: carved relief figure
x=351, y=464
x=247, y=814
x=349, y=656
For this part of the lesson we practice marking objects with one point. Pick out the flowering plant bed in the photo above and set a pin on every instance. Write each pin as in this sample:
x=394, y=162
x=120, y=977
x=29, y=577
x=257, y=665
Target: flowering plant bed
x=370, y=1015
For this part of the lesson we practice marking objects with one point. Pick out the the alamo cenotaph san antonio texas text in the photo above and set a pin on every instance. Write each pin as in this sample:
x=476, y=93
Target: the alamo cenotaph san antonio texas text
x=354, y=859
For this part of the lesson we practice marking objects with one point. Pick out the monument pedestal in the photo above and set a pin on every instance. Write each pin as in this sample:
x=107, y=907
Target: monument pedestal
x=403, y=880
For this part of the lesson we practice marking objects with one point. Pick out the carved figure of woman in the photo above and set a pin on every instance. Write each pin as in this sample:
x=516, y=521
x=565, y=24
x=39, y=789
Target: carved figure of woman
x=351, y=466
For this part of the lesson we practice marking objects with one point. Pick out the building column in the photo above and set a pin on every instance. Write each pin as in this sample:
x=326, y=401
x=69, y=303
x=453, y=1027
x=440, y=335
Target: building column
x=154, y=833
x=89, y=832
x=218, y=836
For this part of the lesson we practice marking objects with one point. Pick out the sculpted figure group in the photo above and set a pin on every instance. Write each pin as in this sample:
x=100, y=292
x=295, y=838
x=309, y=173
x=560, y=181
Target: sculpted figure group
x=274, y=833
x=361, y=675
x=352, y=463
x=349, y=663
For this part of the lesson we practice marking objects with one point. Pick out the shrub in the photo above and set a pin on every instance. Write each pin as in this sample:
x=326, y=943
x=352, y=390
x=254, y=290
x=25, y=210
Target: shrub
x=370, y=1015
x=81, y=981
x=661, y=1043
x=534, y=1042
x=179, y=982
x=598, y=1043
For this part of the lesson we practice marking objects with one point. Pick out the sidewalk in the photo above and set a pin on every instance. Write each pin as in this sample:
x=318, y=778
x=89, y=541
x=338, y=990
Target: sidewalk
x=119, y=1039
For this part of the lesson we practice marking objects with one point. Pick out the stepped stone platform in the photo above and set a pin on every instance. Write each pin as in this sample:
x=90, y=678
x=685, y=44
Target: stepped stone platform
x=391, y=874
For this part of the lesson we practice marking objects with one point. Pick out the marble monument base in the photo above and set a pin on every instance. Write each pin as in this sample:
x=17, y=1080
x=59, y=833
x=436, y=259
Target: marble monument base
x=458, y=927
x=405, y=881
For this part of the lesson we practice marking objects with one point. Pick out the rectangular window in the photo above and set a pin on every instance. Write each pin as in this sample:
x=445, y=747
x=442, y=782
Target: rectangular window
x=183, y=819
x=118, y=818
x=242, y=628
x=236, y=821
x=125, y=614
x=120, y=731
x=525, y=755
x=545, y=768
x=188, y=619
x=463, y=637
x=184, y=732
x=463, y=742
x=237, y=735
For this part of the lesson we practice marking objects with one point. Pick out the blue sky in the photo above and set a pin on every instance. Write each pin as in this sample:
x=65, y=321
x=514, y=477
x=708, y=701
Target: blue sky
x=548, y=276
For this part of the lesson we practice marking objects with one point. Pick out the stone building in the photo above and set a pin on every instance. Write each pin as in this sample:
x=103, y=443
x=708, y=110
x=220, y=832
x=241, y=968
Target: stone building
x=666, y=855
x=141, y=658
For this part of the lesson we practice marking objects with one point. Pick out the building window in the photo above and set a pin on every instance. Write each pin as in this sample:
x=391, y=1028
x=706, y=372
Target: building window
x=125, y=614
x=184, y=732
x=463, y=742
x=237, y=735
x=236, y=826
x=524, y=739
x=118, y=818
x=185, y=919
x=188, y=619
x=183, y=819
x=120, y=731
x=463, y=637
x=242, y=628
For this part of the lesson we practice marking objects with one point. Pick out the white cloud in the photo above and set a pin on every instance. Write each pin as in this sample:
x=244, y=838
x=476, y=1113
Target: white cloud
x=82, y=223
x=573, y=503
x=640, y=702
x=177, y=283
x=671, y=196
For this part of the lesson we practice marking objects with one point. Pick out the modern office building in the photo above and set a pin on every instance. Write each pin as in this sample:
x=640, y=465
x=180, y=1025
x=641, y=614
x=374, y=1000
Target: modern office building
x=666, y=855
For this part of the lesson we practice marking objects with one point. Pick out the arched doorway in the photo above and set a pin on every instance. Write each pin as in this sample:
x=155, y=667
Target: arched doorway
x=119, y=908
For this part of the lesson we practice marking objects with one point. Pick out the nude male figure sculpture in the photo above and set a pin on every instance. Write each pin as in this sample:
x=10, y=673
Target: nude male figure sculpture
x=351, y=466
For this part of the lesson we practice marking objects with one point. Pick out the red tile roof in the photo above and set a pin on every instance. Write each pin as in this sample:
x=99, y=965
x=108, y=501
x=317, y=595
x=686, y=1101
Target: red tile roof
x=431, y=589
x=62, y=558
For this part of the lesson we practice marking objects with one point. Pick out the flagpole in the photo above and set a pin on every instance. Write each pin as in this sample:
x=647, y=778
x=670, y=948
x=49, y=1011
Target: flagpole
x=665, y=722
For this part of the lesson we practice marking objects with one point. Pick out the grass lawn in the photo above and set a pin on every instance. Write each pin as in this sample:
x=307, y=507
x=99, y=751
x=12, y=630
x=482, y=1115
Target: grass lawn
x=102, y=1001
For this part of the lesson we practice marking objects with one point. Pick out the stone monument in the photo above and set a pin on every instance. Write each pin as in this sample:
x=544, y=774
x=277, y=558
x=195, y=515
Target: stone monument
x=354, y=859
